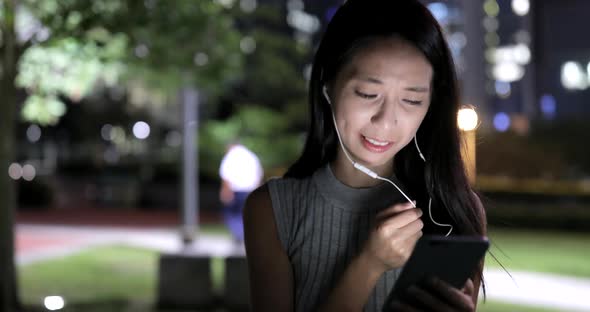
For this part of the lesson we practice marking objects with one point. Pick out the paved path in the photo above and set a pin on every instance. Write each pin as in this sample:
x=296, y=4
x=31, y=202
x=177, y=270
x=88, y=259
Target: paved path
x=538, y=289
x=41, y=242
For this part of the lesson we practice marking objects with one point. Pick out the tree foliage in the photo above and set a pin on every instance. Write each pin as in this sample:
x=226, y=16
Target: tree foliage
x=68, y=48
x=77, y=45
x=269, y=108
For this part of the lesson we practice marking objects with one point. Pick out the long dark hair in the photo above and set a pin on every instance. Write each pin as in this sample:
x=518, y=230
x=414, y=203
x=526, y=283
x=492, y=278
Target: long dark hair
x=357, y=24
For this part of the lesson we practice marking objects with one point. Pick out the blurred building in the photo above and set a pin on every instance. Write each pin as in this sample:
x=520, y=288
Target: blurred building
x=518, y=60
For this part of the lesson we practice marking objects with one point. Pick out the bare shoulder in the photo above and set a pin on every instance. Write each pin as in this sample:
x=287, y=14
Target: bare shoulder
x=259, y=196
x=271, y=278
x=258, y=207
x=480, y=209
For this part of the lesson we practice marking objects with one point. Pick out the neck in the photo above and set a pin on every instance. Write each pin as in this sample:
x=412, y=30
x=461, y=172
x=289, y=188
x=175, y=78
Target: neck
x=345, y=172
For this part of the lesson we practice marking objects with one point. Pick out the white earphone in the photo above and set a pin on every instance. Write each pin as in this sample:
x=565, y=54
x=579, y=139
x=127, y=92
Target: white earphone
x=374, y=175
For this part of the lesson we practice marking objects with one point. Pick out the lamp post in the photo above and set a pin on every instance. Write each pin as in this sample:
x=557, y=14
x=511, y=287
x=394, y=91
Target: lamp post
x=467, y=121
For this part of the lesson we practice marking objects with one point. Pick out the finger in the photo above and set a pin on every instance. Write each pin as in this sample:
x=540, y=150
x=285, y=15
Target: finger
x=415, y=237
x=428, y=301
x=411, y=230
x=397, y=208
x=452, y=295
x=469, y=287
x=405, y=244
x=403, y=218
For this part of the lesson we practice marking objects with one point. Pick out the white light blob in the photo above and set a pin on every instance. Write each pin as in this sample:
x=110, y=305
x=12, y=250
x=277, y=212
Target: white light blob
x=507, y=71
x=248, y=45
x=106, y=132
x=15, y=171
x=29, y=172
x=201, y=59
x=573, y=76
x=141, y=130
x=467, y=119
x=521, y=7
x=54, y=303
x=33, y=133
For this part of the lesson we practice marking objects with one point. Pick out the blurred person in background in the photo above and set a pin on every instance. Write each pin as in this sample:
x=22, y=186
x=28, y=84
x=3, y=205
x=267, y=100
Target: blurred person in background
x=240, y=173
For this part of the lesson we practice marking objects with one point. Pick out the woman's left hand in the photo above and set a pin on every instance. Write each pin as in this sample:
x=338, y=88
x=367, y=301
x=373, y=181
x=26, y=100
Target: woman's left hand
x=437, y=295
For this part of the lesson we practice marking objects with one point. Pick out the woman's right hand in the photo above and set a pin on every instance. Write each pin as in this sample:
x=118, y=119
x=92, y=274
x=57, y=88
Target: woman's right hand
x=393, y=236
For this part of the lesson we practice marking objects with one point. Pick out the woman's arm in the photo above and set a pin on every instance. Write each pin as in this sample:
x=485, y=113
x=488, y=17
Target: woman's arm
x=353, y=290
x=271, y=277
x=226, y=195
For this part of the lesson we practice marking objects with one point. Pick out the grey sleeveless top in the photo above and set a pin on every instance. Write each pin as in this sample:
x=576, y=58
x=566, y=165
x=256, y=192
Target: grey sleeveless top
x=322, y=224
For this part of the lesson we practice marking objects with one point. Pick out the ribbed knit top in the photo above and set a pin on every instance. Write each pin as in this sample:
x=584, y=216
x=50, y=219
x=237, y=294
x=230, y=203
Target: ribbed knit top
x=322, y=224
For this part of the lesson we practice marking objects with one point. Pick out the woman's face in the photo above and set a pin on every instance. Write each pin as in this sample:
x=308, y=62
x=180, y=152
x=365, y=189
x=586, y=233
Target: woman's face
x=380, y=99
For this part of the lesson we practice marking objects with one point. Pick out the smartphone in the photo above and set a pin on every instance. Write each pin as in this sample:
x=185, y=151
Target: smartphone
x=452, y=259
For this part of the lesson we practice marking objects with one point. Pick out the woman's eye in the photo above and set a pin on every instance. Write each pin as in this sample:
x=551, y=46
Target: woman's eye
x=411, y=102
x=365, y=95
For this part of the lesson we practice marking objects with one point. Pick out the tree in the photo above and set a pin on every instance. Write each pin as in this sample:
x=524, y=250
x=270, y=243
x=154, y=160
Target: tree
x=268, y=110
x=10, y=54
x=54, y=49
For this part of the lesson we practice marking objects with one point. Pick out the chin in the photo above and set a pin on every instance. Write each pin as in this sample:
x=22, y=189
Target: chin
x=375, y=161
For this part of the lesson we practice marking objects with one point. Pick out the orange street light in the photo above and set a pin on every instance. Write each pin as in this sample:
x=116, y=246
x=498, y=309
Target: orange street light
x=467, y=121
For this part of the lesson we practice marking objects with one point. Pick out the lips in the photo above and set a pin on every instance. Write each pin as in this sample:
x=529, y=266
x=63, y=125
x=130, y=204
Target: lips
x=375, y=145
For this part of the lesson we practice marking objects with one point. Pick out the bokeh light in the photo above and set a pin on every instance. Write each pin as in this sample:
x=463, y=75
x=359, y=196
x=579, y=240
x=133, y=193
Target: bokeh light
x=248, y=45
x=141, y=51
x=491, y=8
x=501, y=121
x=573, y=76
x=467, y=119
x=173, y=139
x=106, y=132
x=521, y=7
x=521, y=53
x=548, y=105
x=29, y=172
x=33, y=133
x=201, y=59
x=15, y=171
x=228, y=4
x=440, y=11
x=54, y=303
x=141, y=130
x=503, y=89
x=507, y=71
x=248, y=6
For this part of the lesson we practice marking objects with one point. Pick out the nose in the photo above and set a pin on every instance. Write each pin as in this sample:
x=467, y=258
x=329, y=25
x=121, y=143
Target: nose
x=387, y=114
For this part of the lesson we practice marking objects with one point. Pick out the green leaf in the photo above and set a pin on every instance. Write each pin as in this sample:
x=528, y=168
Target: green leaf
x=44, y=110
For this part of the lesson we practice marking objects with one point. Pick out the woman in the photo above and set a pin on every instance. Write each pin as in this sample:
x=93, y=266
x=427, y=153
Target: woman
x=331, y=235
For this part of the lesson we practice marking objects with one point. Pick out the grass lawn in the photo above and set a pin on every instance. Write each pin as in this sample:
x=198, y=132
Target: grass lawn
x=493, y=306
x=120, y=278
x=549, y=252
x=115, y=276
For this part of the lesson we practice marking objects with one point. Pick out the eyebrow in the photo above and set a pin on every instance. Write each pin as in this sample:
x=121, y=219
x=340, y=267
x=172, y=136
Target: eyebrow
x=419, y=89
x=370, y=79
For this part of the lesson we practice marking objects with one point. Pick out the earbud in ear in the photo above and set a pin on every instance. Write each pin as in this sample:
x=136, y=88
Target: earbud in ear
x=325, y=91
